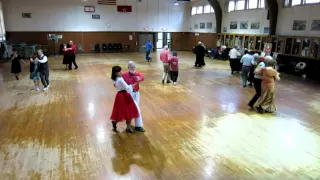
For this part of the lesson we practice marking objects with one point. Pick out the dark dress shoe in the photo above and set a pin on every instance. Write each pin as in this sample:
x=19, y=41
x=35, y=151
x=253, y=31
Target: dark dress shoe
x=140, y=129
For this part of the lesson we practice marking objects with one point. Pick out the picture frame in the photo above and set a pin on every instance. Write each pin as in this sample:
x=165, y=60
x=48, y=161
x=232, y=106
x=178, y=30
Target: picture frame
x=233, y=25
x=244, y=24
x=299, y=25
x=95, y=16
x=202, y=25
x=315, y=25
x=255, y=25
x=209, y=25
x=26, y=15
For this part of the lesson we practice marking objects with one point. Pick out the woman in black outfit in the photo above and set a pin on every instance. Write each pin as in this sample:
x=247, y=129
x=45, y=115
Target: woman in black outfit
x=16, y=66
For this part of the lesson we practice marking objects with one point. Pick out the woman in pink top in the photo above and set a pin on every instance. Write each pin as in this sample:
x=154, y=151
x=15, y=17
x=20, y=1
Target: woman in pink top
x=266, y=102
x=174, y=67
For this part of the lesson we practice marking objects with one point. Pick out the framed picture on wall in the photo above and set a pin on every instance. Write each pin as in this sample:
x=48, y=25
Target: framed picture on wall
x=255, y=25
x=209, y=25
x=299, y=25
x=233, y=25
x=26, y=15
x=196, y=26
x=315, y=25
x=224, y=29
x=95, y=16
x=266, y=30
x=202, y=25
x=243, y=24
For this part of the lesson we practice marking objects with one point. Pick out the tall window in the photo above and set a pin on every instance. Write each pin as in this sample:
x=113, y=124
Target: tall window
x=207, y=8
x=2, y=29
x=296, y=2
x=240, y=5
x=231, y=6
x=253, y=4
x=261, y=4
x=193, y=11
x=286, y=3
x=200, y=10
x=311, y=1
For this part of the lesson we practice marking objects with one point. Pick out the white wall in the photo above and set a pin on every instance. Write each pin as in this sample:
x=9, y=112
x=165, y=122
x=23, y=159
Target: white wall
x=201, y=18
x=257, y=15
x=69, y=15
x=286, y=16
x=252, y=15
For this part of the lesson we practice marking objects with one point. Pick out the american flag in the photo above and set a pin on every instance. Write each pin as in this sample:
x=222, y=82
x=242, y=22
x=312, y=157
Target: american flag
x=107, y=2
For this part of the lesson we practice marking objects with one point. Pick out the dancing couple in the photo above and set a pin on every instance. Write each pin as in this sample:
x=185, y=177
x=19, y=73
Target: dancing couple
x=264, y=84
x=126, y=104
x=170, y=66
x=39, y=69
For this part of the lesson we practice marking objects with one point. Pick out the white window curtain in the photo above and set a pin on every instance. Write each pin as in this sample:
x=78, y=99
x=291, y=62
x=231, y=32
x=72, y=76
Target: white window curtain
x=2, y=29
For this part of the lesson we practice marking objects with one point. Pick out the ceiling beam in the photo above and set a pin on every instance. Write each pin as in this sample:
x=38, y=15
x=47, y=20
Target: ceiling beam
x=218, y=13
x=272, y=6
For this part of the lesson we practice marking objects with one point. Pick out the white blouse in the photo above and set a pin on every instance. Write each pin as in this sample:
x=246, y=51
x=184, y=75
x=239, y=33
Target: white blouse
x=122, y=85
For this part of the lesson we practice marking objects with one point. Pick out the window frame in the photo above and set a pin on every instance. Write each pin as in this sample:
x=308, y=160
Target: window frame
x=198, y=8
x=195, y=11
x=302, y=3
x=246, y=5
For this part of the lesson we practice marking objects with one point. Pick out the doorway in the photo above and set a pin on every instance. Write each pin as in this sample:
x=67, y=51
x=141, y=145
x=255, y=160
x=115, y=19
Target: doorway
x=162, y=40
x=143, y=38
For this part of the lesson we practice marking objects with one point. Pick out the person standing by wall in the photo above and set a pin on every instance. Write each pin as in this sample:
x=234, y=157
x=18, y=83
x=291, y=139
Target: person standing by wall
x=71, y=55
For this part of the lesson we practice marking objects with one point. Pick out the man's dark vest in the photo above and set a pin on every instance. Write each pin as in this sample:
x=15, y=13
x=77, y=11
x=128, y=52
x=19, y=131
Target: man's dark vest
x=43, y=66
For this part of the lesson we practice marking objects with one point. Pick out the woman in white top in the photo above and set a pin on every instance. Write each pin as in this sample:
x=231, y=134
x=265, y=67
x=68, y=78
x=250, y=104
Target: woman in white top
x=124, y=108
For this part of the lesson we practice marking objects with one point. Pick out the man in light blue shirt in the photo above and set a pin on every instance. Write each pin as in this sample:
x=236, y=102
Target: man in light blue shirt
x=247, y=61
x=149, y=47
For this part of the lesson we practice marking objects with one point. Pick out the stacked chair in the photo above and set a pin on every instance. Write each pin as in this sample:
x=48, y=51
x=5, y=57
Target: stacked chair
x=104, y=47
x=30, y=50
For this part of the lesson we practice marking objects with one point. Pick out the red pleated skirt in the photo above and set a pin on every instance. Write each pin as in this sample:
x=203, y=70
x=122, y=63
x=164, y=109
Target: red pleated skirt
x=124, y=108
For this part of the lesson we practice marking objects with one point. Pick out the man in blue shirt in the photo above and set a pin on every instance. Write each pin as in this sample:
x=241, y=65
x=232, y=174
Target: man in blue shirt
x=149, y=47
x=247, y=61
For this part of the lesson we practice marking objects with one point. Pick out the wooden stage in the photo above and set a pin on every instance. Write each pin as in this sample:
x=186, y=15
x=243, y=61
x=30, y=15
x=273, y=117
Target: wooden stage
x=200, y=129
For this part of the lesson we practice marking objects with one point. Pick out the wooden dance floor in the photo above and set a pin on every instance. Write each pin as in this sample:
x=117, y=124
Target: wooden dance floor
x=199, y=129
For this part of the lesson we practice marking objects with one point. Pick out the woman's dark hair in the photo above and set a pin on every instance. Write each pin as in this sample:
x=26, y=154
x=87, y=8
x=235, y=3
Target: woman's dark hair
x=175, y=53
x=115, y=70
x=14, y=50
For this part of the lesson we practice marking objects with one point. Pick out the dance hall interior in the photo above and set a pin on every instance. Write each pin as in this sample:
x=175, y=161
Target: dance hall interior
x=159, y=90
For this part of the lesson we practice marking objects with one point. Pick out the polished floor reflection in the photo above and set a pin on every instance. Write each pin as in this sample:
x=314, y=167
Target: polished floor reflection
x=199, y=129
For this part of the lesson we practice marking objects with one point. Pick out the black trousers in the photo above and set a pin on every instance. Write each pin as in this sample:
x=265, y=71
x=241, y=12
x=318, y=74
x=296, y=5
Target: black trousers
x=44, y=75
x=235, y=64
x=257, y=87
x=72, y=60
x=251, y=74
x=174, y=75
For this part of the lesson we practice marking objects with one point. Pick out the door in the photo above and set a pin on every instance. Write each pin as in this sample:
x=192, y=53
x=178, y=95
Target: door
x=143, y=38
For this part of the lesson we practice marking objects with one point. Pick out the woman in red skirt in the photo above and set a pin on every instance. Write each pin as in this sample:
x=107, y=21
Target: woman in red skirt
x=124, y=108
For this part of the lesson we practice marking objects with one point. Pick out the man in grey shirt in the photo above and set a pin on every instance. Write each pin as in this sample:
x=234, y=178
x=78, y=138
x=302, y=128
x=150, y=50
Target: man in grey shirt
x=247, y=61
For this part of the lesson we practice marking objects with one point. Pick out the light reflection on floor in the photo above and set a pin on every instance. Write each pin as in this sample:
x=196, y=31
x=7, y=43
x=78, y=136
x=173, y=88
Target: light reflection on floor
x=282, y=143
